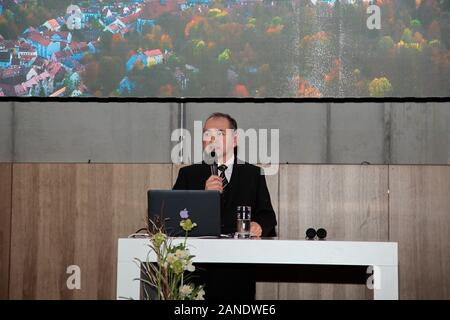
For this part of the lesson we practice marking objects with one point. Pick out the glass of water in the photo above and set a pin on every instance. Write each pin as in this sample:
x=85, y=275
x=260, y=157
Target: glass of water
x=244, y=215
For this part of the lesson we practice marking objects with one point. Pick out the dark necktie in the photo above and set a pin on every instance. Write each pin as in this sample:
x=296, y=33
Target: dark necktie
x=222, y=169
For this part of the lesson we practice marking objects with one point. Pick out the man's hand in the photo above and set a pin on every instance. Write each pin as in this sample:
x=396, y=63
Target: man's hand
x=214, y=183
x=255, y=229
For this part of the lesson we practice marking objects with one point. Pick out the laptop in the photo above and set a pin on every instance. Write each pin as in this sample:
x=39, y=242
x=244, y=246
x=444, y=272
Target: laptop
x=202, y=207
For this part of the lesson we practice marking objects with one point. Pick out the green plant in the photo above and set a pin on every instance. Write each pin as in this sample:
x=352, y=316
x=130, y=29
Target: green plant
x=169, y=278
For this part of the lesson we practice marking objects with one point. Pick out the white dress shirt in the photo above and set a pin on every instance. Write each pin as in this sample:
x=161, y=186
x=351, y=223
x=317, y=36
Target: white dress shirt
x=229, y=170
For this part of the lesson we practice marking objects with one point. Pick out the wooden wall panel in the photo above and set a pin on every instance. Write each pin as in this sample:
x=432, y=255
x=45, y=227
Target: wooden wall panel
x=5, y=227
x=73, y=214
x=349, y=201
x=420, y=223
x=269, y=290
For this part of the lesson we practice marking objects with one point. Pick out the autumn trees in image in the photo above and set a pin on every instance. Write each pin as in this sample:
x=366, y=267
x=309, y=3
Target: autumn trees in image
x=233, y=48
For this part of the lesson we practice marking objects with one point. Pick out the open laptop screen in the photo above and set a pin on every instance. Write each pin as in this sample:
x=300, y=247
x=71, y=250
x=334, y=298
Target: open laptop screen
x=203, y=208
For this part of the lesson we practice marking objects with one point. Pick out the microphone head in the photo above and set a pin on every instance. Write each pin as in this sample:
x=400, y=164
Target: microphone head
x=214, y=167
x=321, y=233
x=310, y=234
x=209, y=155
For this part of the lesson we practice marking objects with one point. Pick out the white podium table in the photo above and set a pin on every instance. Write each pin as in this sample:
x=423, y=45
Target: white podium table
x=381, y=255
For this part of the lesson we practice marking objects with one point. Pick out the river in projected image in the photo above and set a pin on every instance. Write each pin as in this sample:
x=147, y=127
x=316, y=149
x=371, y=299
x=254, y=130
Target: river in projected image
x=225, y=48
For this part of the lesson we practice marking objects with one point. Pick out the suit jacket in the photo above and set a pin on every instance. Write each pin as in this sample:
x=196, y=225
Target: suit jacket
x=247, y=187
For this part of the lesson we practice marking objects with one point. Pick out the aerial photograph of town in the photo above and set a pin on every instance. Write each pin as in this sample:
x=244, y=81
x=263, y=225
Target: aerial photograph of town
x=225, y=48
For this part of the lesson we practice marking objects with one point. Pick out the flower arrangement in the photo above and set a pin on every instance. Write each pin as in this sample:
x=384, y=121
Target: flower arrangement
x=169, y=278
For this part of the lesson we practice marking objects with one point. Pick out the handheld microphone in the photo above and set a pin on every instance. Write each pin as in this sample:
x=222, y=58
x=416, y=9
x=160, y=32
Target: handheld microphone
x=214, y=167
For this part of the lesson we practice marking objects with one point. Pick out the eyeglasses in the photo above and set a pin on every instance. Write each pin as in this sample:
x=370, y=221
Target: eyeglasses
x=312, y=234
x=219, y=133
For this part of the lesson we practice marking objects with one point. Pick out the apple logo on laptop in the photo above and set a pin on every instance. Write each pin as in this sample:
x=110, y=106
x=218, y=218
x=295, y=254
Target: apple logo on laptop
x=184, y=214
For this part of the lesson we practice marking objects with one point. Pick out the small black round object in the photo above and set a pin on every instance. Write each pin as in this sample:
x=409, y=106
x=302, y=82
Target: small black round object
x=310, y=234
x=321, y=233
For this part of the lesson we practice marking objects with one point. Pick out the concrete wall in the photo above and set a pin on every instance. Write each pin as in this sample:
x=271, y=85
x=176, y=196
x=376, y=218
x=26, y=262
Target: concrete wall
x=358, y=133
x=100, y=132
x=420, y=133
x=400, y=133
x=303, y=127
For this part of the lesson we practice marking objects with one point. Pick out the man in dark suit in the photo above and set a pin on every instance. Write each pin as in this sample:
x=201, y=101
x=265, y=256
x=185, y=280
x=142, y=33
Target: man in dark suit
x=240, y=184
